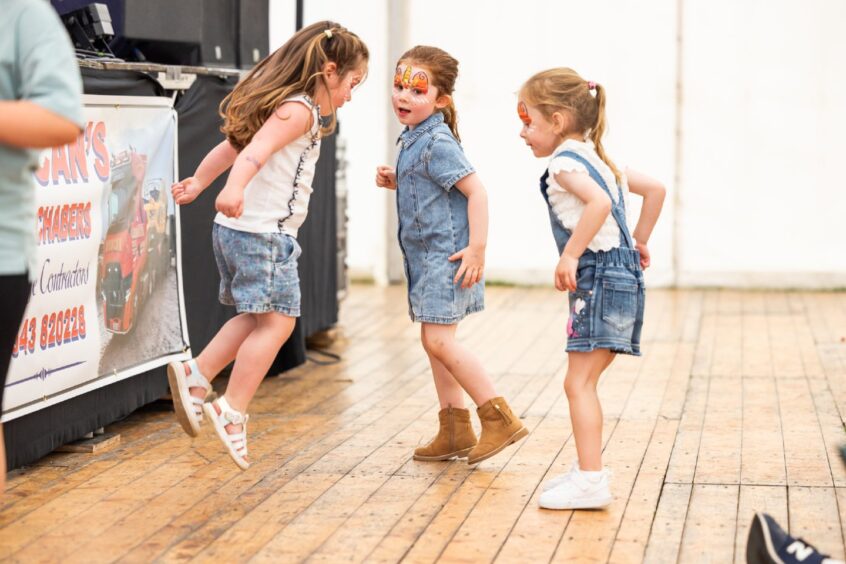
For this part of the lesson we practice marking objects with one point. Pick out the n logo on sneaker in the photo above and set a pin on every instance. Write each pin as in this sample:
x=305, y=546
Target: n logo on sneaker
x=800, y=550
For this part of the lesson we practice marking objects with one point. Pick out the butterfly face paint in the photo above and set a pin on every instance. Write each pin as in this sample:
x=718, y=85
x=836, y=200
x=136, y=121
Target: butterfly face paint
x=413, y=99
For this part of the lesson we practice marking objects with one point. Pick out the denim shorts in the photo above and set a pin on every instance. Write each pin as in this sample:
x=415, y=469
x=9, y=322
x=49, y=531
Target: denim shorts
x=258, y=271
x=606, y=310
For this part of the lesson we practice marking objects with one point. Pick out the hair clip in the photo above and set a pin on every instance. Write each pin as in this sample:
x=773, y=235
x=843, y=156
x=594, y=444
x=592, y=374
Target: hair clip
x=591, y=85
x=328, y=34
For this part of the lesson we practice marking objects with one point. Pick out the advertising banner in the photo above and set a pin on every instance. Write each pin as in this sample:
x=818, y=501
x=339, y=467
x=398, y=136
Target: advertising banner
x=106, y=301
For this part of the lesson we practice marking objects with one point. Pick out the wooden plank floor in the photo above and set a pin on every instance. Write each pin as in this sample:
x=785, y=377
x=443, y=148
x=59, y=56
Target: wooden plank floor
x=737, y=405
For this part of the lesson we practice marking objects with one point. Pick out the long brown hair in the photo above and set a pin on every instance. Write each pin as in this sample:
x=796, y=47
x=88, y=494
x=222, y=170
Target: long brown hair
x=444, y=67
x=562, y=89
x=292, y=69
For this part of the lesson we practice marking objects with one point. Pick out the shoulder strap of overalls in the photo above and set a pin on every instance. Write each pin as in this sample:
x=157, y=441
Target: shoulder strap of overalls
x=617, y=210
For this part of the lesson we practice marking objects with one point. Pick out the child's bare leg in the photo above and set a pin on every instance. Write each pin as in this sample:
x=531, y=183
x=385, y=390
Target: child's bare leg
x=255, y=356
x=222, y=349
x=449, y=390
x=439, y=342
x=580, y=383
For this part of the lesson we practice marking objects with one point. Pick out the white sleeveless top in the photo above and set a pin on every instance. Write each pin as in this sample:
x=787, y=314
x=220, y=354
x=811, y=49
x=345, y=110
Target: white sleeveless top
x=276, y=199
x=569, y=207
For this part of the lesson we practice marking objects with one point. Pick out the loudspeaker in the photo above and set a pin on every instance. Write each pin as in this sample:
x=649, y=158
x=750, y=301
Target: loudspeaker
x=253, y=32
x=148, y=20
x=219, y=44
x=183, y=32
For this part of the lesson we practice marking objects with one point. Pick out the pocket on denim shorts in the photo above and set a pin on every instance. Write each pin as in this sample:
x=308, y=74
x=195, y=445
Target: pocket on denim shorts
x=285, y=248
x=619, y=304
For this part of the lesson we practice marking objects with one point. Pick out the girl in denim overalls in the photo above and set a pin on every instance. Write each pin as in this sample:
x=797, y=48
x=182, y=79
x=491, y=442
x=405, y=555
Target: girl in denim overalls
x=443, y=217
x=601, y=262
x=275, y=119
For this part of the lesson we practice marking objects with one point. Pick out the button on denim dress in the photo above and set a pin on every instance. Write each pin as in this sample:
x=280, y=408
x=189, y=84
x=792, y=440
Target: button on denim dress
x=433, y=223
x=606, y=309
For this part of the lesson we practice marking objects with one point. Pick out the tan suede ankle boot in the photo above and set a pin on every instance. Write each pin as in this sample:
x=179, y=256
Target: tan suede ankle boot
x=455, y=437
x=500, y=428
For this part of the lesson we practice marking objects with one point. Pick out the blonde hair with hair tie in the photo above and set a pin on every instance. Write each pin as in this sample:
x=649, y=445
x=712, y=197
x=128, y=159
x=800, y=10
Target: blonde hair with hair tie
x=563, y=90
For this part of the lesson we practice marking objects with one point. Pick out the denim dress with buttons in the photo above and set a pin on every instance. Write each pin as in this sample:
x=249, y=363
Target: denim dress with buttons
x=606, y=309
x=433, y=223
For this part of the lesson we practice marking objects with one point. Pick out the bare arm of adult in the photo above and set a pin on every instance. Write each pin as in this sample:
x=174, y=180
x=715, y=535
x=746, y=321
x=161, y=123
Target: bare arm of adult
x=473, y=255
x=27, y=125
x=289, y=121
x=653, y=193
x=597, y=208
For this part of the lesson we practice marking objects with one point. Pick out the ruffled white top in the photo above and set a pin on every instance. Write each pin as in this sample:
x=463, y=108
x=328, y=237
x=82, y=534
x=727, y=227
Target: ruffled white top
x=569, y=207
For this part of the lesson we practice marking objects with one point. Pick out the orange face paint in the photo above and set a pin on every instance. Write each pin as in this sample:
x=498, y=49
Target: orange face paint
x=523, y=112
x=420, y=83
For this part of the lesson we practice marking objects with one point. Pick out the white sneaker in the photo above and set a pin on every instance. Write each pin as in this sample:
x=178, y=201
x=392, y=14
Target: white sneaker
x=560, y=478
x=578, y=492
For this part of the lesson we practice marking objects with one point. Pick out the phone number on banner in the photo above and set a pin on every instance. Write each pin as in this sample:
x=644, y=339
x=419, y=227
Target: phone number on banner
x=57, y=328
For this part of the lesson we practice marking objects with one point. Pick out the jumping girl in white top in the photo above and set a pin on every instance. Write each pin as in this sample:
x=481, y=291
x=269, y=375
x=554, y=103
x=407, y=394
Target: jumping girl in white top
x=273, y=132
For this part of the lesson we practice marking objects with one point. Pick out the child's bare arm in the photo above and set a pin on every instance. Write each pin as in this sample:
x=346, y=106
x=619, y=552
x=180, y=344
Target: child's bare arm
x=653, y=193
x=473, y=256
x=289, y=121
x=213, y=165
x=216, y=163
x=27, y=125
x=597, y=208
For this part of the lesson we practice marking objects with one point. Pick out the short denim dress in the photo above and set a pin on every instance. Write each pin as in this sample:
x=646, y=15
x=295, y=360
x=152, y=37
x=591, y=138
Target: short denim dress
x=606, y=309
x=433, y=223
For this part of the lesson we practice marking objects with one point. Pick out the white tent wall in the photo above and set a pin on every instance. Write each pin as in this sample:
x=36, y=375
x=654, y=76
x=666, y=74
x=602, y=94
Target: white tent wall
x=747, y=152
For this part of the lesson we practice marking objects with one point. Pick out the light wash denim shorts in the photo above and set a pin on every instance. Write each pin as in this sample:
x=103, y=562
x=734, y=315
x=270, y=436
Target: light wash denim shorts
x=606, y=310
x=258, y=271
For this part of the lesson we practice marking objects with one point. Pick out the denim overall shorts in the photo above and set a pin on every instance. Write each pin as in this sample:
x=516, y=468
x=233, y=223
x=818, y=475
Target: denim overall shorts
x=606, y=309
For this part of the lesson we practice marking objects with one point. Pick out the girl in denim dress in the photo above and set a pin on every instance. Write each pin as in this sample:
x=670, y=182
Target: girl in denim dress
x=274, y=120
x=443, y=223
x=600, y=262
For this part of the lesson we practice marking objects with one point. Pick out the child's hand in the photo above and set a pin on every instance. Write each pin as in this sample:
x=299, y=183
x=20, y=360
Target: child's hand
x=386, y=177
x=230, y=202
x=645, y=259
x=186, y=191
x=472, y=265
x=565, y=273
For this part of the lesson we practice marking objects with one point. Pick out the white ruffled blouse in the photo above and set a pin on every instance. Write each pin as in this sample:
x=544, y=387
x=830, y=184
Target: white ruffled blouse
x=569, y=207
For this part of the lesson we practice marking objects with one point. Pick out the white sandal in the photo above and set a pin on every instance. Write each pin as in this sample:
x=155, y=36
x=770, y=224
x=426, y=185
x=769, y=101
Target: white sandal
x=236, y=443
x=189, y=409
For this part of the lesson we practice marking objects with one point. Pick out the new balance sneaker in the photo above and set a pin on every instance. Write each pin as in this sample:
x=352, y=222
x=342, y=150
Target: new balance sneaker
x=769, y=544
x=578, y=491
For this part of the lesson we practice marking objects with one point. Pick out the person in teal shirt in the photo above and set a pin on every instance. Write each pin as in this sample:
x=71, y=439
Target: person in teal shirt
x=40, y=107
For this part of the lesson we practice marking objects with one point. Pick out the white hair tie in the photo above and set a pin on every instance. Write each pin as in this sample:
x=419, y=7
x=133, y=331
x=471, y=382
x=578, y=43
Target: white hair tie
x=328, y=34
